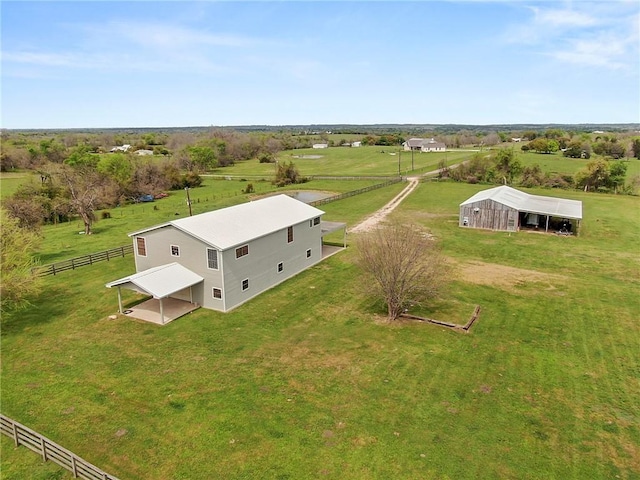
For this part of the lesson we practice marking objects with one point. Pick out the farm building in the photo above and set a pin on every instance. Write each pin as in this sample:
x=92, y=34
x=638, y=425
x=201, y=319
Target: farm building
x=507, y=209
x=424, y=145
x=223, y=258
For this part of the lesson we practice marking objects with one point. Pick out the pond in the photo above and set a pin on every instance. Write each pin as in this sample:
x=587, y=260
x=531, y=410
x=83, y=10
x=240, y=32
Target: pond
x=308, y=196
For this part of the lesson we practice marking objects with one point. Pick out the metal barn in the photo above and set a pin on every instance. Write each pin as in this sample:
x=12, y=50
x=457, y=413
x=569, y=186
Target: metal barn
x=507, y=209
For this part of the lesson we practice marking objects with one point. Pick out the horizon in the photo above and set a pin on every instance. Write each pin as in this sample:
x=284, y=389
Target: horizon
x=87, y=65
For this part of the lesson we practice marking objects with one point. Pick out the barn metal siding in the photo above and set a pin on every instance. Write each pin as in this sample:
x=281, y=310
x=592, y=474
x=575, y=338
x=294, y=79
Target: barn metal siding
x=489, y=215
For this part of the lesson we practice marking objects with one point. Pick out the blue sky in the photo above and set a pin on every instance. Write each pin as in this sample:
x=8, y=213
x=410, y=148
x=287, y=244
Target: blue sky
x=169, y=64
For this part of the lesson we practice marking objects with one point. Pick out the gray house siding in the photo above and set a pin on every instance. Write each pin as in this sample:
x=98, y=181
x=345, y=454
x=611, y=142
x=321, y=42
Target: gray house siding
x=260, y=266
x=489, y=214
x=192, y=255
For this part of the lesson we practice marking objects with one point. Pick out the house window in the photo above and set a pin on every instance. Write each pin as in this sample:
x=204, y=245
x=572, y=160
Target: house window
x=309, y=253
x=242, y=251
x=316, y=221
x=280, y=267
x=175, y=251
x=217, y=293
x=141, y=243
x=289, y=234
x=212, y=259
x=245, y=284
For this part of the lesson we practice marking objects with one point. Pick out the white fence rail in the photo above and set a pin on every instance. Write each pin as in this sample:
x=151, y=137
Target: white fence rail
x=49, y=450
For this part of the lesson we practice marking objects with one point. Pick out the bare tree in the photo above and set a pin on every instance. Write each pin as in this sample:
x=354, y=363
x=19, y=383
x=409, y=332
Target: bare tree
x=403, y=266
x=88, y=190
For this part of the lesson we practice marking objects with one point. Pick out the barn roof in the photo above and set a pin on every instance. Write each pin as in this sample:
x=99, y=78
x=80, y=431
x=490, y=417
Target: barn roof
x=525, y=202
x=232, y=226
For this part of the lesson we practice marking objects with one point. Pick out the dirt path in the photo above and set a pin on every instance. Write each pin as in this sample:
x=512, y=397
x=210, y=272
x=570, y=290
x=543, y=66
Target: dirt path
x=373, y=220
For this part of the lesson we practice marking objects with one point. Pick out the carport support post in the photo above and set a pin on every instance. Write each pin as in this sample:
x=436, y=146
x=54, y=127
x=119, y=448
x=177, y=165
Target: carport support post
x=161, y=313
x=546, y=229
x=119, y=301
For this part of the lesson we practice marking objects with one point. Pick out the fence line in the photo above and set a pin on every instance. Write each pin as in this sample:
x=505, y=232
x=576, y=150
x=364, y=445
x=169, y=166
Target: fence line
x=356, y=192
x=49, y=450
x=77, y=262
x=73, y=263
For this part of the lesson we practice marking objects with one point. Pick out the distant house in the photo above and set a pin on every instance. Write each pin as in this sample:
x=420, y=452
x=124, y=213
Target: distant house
x=221, y=259
x=424, y=145
x=320, y=145
x=121, y=148
x=356, y=144
x=516, y=139
x=507, y=209
x=144, y=152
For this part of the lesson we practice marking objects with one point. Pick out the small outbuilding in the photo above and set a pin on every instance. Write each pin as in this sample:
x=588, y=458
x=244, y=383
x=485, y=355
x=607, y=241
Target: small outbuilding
x=507, y=209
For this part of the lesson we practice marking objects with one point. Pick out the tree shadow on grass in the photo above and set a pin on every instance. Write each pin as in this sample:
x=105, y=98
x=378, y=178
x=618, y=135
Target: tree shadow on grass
x=42, y=309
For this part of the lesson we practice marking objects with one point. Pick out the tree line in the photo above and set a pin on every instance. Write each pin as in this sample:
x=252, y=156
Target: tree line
x=502, y=166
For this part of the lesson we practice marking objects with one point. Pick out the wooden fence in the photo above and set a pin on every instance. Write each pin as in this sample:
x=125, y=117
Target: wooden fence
x=356, y=192
x=49, y=450
x=73, y=263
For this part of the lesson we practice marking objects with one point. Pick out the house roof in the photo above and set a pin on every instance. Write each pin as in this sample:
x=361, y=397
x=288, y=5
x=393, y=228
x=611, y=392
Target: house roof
x=160, y=281
x=524, y=202
x=233, y=226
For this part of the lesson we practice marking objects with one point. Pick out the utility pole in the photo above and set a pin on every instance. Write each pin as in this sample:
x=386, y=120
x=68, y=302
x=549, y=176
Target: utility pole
x=186, y=189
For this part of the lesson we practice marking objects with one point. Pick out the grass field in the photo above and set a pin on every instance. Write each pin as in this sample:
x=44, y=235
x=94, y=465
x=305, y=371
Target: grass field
x=344, y=161
x=305, y=381
x=63, y=241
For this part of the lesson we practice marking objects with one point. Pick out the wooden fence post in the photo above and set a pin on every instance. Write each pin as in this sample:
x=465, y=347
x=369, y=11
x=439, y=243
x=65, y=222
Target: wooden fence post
x=44, y=449
x=74, y=468
x=15, y=433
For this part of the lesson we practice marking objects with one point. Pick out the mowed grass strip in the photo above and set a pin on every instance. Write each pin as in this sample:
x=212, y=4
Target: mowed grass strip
x=306, y=381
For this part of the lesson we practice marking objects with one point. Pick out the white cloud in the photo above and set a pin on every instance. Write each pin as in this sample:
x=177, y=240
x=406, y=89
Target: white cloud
x=593, y=34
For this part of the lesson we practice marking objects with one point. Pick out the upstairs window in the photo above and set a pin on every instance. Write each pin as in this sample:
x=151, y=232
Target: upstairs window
x=316, y=221
x=175, y=251
x=309, y=253
x=289, y=234
x=245, y=284
x=141, y=245
x=242, y=251
x=280, y=267
x=212, y=259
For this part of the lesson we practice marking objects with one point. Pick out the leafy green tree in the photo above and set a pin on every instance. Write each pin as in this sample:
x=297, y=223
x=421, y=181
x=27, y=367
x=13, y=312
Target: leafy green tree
x=532, y=176
x=635, y=148
x=617, y=175
x=594, y=176
x=287, y=174
x=507, y=165
x=202, y=157
x=16, y=256
x=82, y=156
x=117, y=166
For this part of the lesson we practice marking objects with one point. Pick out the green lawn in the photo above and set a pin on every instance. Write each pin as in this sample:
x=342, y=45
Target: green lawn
x=345, y=161
x=304, y=381
x=10, y=181
x=63, y=241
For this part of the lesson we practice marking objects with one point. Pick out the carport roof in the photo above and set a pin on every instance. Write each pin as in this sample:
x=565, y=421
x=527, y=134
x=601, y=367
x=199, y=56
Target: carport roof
x=160, y=281
x=525, y=202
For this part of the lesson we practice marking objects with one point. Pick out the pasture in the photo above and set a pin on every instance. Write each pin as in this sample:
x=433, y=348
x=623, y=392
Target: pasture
x=345, y=161
x=307, y=381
